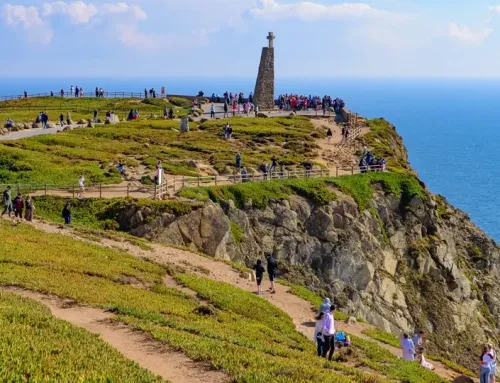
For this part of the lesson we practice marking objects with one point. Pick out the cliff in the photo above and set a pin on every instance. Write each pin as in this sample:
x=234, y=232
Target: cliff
x=384, y=247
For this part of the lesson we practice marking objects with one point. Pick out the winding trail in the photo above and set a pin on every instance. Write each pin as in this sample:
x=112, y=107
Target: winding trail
x=301, y=311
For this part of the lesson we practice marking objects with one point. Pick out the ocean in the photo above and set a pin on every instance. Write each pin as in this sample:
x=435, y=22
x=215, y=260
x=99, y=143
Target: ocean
x=451, y=127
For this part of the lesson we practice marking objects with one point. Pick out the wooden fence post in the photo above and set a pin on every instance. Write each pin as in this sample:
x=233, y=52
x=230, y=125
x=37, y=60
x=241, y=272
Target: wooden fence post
x=352, y=169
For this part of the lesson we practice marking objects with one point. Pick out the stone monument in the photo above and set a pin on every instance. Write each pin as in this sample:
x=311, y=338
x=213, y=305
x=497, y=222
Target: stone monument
x=264, y=88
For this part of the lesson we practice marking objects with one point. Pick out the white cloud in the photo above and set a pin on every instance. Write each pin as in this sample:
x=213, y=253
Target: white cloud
x=78, y=11
x=29, y=18
x=495, y=8
x=135, y=10
x=309, y=11
x=465, y=34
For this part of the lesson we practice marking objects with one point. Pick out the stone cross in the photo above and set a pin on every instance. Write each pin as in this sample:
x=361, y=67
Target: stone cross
x=271, y=38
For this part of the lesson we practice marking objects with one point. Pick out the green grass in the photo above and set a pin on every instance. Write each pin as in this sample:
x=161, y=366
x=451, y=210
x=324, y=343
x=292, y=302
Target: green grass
x=318, y=190
x=103, y=214
x=252, y=340
x=35, y=347
x=237, y=232
x=383, y=337
x=26, y=110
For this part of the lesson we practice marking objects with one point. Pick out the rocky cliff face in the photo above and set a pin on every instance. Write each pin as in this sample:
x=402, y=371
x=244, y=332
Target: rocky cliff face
x=401, y=262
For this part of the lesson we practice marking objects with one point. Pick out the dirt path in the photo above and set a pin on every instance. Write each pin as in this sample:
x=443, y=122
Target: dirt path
x=301, y=311
x=149, y=354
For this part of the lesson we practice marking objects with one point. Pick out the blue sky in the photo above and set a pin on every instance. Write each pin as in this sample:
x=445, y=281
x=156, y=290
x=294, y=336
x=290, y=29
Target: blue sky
x=328, y=38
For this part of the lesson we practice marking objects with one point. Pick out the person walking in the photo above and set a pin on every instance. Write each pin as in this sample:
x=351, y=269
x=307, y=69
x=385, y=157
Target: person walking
x=95, y=116
x=486, y=360
x=18, y=206
x=81, y=184
x=7, y=201
x=325, y=306
x=272, y=268
x=29, y=209
x=329, y=134
x=226, y=108
x=259, y=274
x=319, y=339
x=408, y=348
x=238, y=161
x=66, y=213
x=328, y=332
x=212, y=111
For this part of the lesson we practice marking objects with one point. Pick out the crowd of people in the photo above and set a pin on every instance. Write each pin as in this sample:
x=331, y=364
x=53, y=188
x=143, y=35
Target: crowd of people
x=295, y=102
x=371, y=163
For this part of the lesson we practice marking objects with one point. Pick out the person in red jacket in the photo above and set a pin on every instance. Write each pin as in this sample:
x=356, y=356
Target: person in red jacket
x=18, y=206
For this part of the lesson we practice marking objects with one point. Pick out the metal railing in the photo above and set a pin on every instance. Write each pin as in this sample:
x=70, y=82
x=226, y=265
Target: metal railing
x=68, y=94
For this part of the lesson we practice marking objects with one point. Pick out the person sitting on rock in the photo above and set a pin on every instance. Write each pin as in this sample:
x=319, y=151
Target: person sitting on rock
x=9, y=124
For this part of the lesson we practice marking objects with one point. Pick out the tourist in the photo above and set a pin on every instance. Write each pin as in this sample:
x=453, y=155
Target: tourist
x=244, y=175
x=130, y=116
x=71, y=90
x=328, y=332
x=25, y=94
x=62, y=92
x=493, y=365
x=68, y=118
x=421, y=359
x=259, y=274
x=264, y=169
x=121, y=169
x=486, y=361
x=408, y=348
x=77, y=92
x=329, y=134
x=7, y=201
x=256, y=110
x=342, y=339
x=81, y=184
x=363, y=168
x=30, y=208
x=212, y=111
x=66, y=213
x=81, y=92
x=226, y=131
x=274, y=166
x=9, y=124
x=171, y=114
x=96, y=92
x=145, y=93
x=226, y=108
x=61, y=120
x=325, y=306
x=95, y=116
x=308, y=166
x=238, y=161
x=234, y=108
x=419, y=339
x=318, y=333
x=272, y=268
x=18, y=206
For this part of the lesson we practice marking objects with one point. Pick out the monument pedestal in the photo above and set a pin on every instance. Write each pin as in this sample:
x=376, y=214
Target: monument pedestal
x=264, y=88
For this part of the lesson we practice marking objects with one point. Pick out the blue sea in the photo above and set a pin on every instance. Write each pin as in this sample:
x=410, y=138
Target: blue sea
x=451, y=127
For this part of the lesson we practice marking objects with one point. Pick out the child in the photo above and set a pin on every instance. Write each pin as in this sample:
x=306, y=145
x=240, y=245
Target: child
x=259, y=273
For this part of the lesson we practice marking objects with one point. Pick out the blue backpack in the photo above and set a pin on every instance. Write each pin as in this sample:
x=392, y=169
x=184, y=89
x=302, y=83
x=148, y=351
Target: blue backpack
x=340, y=337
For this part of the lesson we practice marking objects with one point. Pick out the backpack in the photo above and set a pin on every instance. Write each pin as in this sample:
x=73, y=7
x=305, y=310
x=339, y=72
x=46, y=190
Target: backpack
x=340, y=337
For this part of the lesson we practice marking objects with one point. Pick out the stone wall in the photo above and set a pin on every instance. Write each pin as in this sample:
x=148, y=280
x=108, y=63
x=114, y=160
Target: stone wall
x=264, y=88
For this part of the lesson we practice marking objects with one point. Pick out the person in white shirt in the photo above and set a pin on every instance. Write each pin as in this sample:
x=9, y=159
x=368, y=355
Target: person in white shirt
x=81, y=183
x=329, y=333
x=419, y=340
x=493, y=365
x=318, y=333
x=408, y=348
x=486, y=360
x=421, y=359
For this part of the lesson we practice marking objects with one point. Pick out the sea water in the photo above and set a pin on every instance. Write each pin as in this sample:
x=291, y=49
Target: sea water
x=451, y=127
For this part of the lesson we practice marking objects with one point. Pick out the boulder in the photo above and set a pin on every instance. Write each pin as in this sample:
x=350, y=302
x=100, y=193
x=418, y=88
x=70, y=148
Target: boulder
x=262, y=115
x=351, y=320
x=192, y=164
x=66, y=128
x=184, y=127
x=81, y=122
